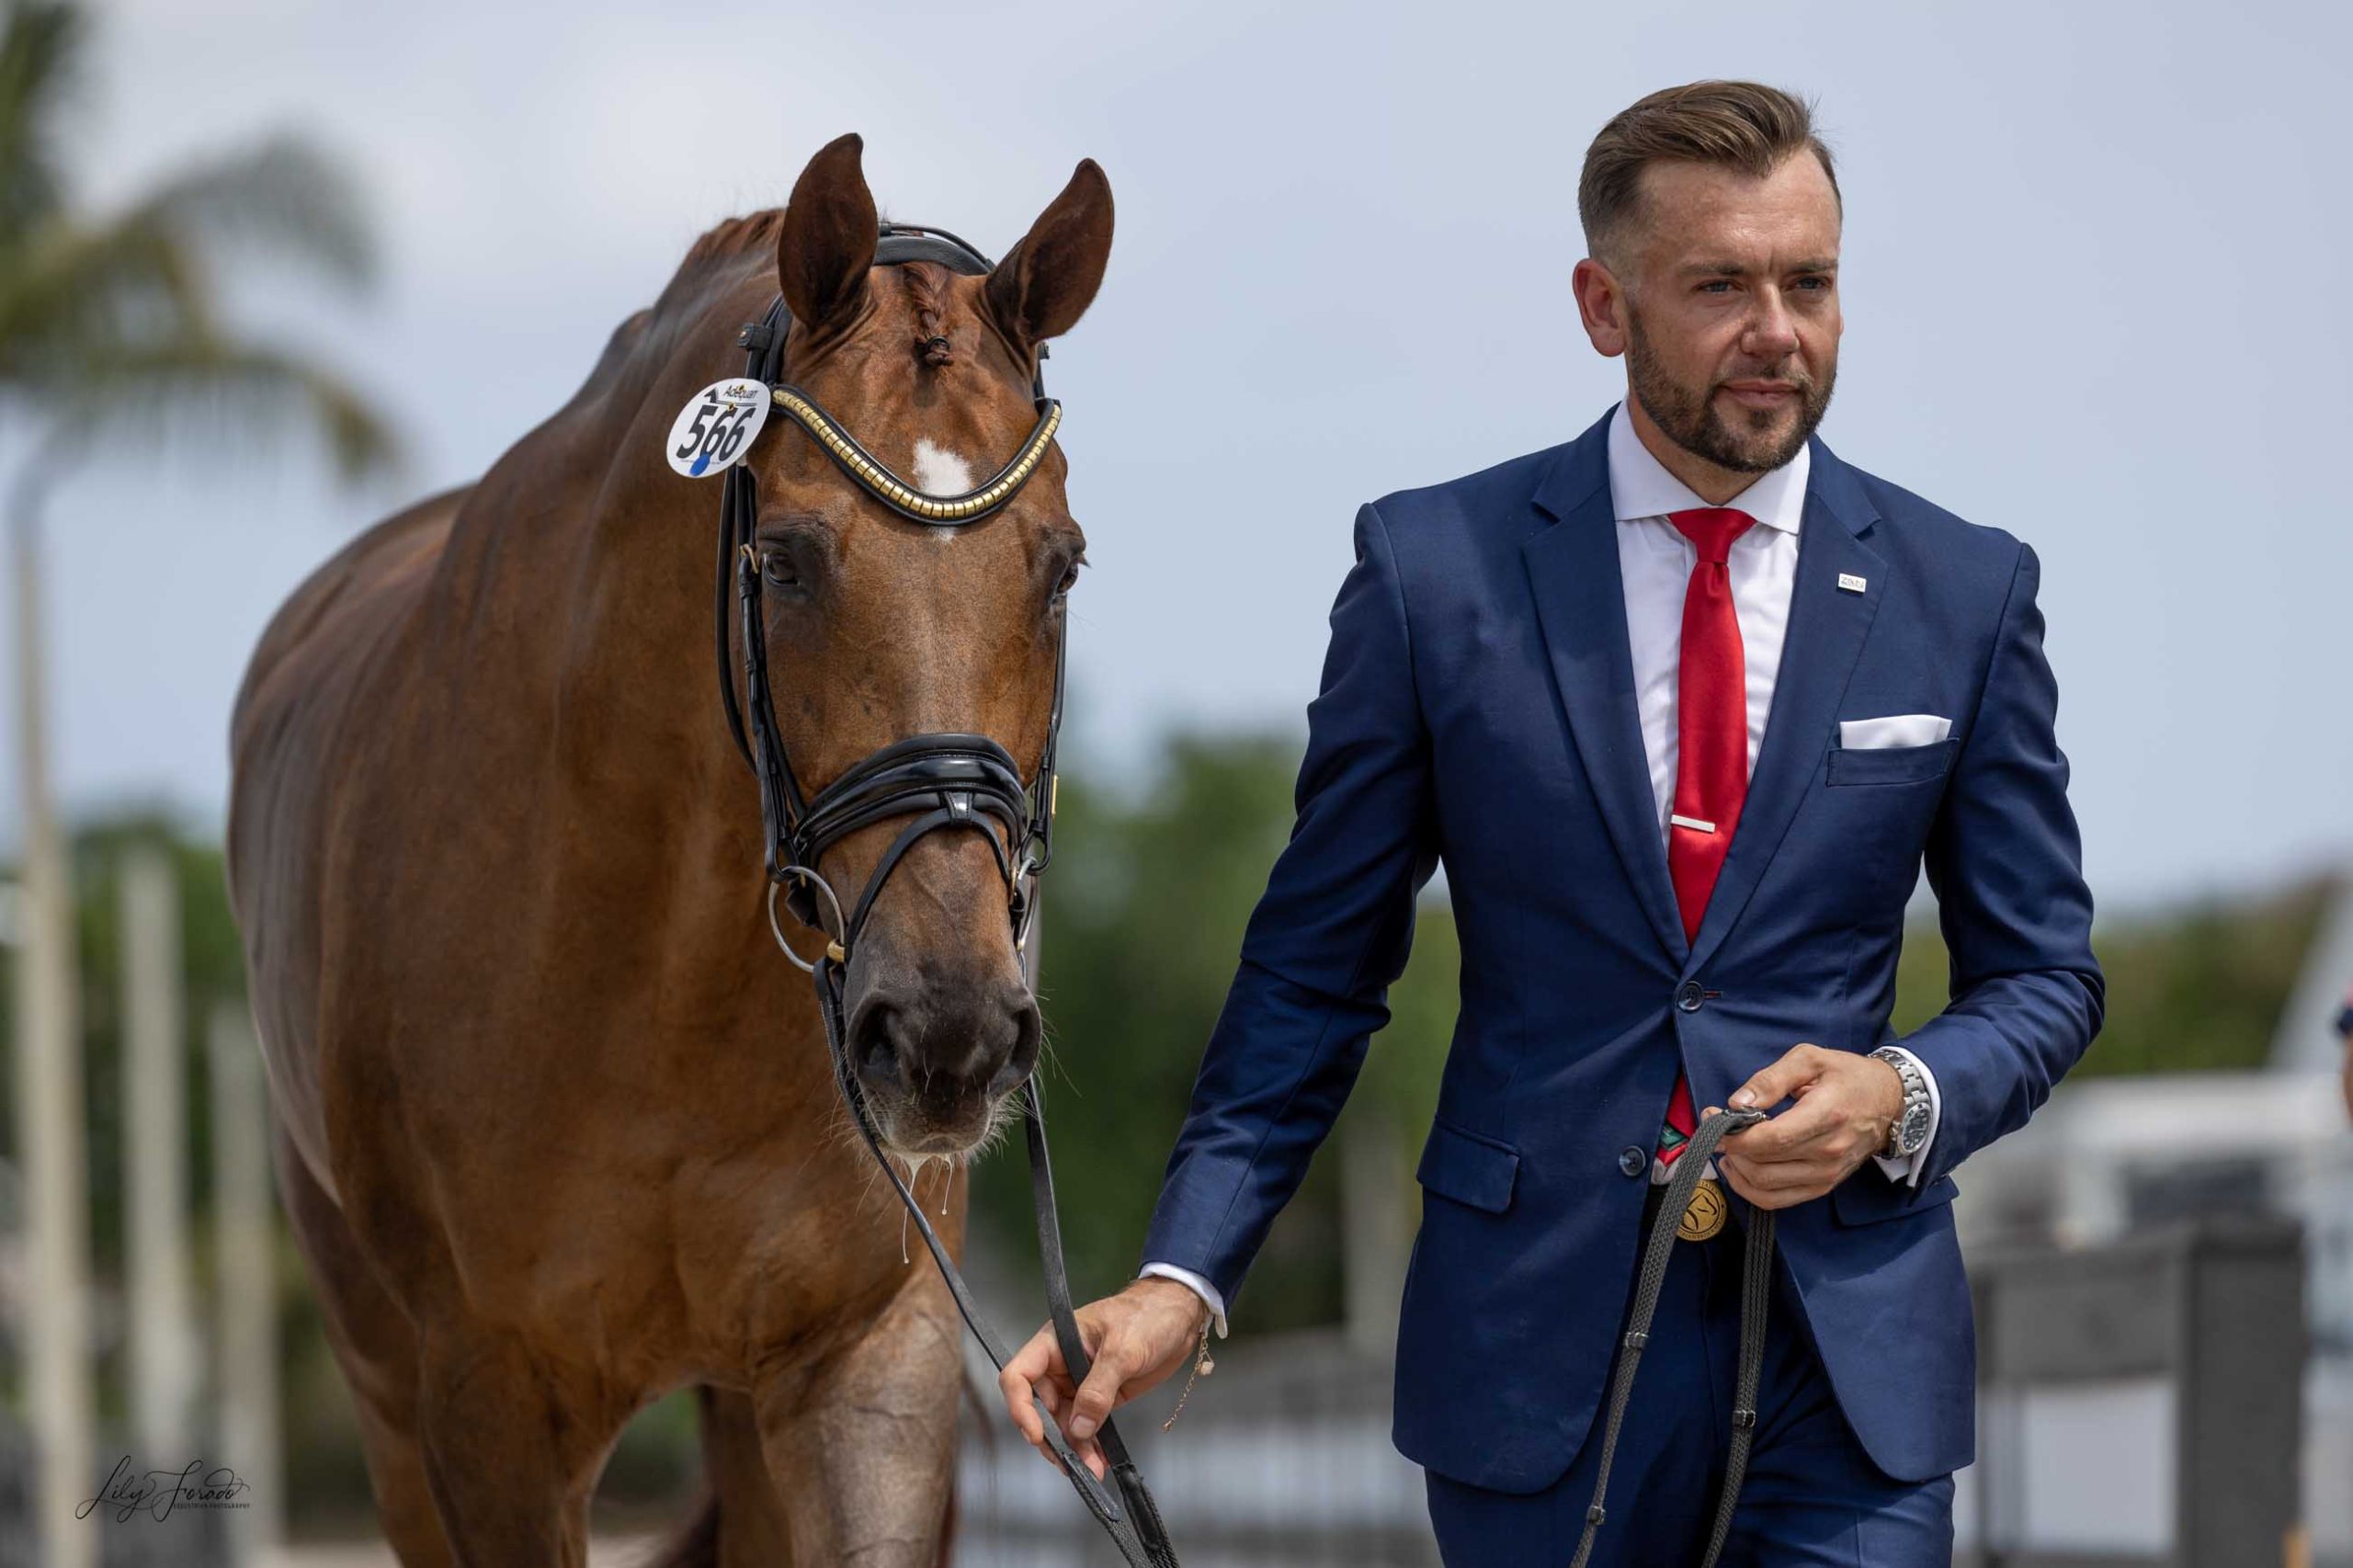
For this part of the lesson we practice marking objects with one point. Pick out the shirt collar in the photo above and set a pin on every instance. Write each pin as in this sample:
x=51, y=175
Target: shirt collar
x=1640, y=485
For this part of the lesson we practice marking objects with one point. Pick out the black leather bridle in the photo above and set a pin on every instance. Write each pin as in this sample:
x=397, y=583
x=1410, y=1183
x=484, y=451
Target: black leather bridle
x=934, y=781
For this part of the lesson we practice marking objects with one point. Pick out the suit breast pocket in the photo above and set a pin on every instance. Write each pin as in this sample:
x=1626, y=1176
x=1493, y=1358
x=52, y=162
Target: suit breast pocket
x=1873, y=813
x=1891, y=765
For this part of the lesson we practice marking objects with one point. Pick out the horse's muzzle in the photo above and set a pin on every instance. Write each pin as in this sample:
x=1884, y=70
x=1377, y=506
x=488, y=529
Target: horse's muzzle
x=935, y=1059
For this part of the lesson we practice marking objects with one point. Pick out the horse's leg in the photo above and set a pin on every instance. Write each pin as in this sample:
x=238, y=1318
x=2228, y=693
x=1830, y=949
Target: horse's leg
x=375, y=1345
x=740, y=1523
x=511, y=1449
x=862, y=1445
x=753, y=1531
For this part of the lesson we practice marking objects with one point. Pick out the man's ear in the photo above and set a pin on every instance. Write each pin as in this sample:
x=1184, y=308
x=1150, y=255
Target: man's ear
x=1045, y=283
x=1601, y=305
x=827, y=242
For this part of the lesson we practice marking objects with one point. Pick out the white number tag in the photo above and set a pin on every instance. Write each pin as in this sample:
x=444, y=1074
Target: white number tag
x=717, y=426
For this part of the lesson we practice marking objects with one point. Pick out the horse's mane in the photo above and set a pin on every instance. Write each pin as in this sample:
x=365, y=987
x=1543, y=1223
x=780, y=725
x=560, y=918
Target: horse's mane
x=644, y=342
x=730, y=237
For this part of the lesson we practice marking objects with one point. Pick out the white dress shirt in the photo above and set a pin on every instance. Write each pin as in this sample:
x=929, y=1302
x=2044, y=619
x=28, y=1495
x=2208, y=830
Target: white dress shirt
x=1655, y=566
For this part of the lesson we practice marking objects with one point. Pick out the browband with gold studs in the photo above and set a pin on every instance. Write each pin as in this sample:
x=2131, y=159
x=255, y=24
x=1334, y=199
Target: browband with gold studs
x=879, y=482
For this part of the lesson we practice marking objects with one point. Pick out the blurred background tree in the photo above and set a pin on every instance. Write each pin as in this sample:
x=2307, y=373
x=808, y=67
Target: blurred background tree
x=114, y=333
x=1143, y=922
x=114, y=323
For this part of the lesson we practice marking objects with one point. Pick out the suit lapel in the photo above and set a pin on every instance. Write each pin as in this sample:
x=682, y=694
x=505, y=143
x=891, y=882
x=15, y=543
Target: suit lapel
x=1826, y=627
x=1581, y=606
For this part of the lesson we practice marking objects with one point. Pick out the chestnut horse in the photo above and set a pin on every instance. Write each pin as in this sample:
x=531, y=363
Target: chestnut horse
x=556, y=1125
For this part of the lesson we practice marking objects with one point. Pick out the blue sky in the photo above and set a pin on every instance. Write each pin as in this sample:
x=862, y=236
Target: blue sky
x=2093, y=279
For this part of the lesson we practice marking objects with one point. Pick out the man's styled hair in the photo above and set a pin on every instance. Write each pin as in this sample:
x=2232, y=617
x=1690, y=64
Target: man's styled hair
x=1739, y=125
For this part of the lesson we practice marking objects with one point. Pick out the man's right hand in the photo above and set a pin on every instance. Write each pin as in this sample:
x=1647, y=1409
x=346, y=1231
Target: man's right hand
x=1136, y=1340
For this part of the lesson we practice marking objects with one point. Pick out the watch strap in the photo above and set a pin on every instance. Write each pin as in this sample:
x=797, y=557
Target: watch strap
x=1915, y=1100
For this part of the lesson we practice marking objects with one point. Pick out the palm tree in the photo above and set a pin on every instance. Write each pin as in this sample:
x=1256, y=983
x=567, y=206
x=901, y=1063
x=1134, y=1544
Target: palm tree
x=109, y=324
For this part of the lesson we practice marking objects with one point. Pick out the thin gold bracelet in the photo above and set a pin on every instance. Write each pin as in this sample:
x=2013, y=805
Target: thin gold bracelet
x=1202, y=1367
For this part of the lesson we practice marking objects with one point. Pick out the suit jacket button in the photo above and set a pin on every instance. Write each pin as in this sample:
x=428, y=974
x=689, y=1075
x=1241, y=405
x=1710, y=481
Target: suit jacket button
x=1686, y=997
x=1631, y=1161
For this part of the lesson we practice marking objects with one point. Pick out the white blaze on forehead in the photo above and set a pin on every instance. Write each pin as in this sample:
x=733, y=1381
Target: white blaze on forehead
x=939, y=472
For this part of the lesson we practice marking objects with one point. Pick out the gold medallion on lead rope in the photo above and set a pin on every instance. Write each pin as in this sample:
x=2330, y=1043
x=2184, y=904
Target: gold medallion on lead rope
x=1704, y=1215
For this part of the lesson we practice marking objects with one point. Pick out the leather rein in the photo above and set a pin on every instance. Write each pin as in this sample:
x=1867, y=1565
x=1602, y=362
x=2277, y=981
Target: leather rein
x=935, y=780
x=1755, y=1297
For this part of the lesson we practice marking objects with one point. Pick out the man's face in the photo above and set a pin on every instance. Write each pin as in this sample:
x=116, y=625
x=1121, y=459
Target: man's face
x=1730, y=317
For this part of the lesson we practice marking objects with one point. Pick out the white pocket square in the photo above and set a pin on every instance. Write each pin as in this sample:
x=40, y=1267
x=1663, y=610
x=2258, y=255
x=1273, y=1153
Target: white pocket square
x=1895, y=730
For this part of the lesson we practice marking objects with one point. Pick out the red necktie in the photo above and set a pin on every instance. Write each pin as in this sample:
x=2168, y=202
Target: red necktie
x=1711, y=746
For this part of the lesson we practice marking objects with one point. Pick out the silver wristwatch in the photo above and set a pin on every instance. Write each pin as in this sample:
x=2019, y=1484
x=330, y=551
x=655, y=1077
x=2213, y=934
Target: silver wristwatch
x=1910, y=1134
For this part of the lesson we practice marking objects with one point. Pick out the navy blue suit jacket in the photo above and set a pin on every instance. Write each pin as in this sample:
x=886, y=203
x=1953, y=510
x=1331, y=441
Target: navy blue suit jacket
x=1477, y=704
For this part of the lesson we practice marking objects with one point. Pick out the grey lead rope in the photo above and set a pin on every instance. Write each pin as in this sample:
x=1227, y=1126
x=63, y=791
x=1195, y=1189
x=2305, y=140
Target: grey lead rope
x=1755, y=1295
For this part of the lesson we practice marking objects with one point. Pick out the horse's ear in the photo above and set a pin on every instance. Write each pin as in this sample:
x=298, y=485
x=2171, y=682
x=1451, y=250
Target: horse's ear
x=827, y=242
x=1046, y=282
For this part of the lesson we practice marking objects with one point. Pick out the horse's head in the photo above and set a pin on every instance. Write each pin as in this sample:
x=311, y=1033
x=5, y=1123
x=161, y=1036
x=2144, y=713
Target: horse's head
x=879, y=629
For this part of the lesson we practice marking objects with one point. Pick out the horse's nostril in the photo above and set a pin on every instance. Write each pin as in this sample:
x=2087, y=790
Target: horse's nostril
x=876, y=1048
x=947, y=1045
x=1027, y=1032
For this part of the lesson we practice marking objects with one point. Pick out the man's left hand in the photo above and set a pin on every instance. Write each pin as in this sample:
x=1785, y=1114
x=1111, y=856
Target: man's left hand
x=1846, y=1103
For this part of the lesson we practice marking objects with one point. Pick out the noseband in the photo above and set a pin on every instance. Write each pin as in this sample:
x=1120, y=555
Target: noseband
x=935, y=780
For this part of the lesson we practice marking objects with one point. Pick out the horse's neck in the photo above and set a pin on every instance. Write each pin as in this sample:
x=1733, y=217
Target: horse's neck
x=573, y=613
x=569, y=634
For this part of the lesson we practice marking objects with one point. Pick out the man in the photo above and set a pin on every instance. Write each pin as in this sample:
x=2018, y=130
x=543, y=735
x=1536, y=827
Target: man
x=1684, y=705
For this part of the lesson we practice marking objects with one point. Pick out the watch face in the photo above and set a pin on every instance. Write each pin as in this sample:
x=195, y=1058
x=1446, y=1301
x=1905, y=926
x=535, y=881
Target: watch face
x=1915, y=1130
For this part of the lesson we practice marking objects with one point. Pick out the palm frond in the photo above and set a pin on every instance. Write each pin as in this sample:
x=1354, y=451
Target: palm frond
x=214, y=393
x=67, y=291
x=280, y=197
x=107, y=322
x=40, y=49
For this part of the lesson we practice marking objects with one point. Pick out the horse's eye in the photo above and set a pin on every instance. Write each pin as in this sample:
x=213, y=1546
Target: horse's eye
x=1070, y=577
x=776, y=565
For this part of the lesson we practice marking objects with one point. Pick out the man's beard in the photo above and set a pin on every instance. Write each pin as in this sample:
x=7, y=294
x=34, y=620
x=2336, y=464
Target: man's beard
x=1693, y=422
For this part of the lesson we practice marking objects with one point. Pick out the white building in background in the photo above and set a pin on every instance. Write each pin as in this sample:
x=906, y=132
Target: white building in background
x=2109, y=1156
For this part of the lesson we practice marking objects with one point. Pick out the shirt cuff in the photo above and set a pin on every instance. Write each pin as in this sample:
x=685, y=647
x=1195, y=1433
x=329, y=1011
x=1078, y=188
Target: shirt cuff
x=1200, y=1286
x=1907, y=1171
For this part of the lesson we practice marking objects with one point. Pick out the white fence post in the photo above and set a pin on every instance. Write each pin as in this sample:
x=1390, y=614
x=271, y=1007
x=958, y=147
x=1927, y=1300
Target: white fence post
x=164, y=1341
x=246, y=1303
x=50, y=1109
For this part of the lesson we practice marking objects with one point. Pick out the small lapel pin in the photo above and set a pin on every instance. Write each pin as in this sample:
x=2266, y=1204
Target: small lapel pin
x=1851, y=583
